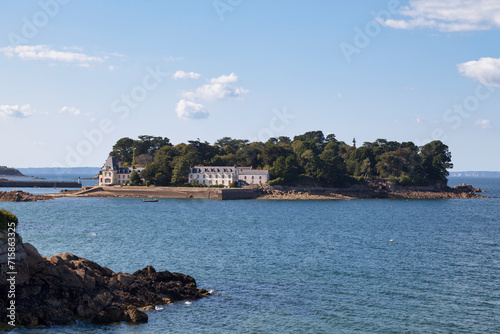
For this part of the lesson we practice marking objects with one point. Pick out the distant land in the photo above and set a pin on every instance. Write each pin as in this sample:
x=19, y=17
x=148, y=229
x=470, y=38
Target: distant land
x=474, y=174
x=6, y=171
x=61, y=171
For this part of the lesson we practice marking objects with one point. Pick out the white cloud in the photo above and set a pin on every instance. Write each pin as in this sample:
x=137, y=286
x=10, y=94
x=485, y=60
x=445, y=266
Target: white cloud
x=338, y=96
x=43, y=52
x=484, y=70
x=218, y=88
x=448, y=15
x=186, y=75
x=191, y=110
x=484, y=123
x=16, y=111
x=225, y=79
x=71, y=110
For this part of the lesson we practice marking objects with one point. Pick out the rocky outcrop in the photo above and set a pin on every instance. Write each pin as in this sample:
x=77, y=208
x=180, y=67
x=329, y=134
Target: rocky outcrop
x=372, y=189
x=21, y=196
x=467, y=188
x=63, y=288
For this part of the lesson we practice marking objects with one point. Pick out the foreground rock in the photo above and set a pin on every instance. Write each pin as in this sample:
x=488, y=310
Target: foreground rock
x=21, y=196
x=63, y=288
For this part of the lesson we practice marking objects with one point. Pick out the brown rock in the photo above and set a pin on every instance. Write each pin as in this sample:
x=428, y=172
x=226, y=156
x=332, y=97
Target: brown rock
x=57, y=290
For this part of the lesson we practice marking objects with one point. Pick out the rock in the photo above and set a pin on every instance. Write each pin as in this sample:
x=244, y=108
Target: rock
x=134, y=315
x=63, y=288
x=21, y=196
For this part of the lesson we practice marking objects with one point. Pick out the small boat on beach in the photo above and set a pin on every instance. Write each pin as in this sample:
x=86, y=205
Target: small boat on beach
x=150, y=200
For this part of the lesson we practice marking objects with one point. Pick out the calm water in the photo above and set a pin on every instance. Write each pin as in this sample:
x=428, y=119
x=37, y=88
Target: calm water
x=290, y=266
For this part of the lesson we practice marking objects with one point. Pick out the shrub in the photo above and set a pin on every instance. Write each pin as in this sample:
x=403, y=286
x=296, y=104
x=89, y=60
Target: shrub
x=135, y=179
x=234, y=184
x=148, y=183
x=6, y=218
x=276, y=182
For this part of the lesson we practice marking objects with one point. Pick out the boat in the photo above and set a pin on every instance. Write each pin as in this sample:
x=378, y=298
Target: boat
x=150, y=200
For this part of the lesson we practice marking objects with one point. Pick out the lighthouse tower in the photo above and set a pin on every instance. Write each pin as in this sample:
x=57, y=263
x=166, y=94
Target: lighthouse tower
x=354, y=142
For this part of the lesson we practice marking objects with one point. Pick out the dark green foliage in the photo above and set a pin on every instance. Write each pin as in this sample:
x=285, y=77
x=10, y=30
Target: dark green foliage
x=181, y=171
x=435, y=160
x=7, y=219
x=234, y=184
x=309, y=159
x=135, y=179
x=126, y=150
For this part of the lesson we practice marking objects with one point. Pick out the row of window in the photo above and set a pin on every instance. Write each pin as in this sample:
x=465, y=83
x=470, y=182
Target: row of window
x=212, y=170
x=209, y=176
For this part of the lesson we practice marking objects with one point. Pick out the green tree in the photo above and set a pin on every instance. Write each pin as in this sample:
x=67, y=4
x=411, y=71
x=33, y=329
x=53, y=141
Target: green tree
x=436, y=158
x=135, y=179
x=123, y=150
x=181, y=171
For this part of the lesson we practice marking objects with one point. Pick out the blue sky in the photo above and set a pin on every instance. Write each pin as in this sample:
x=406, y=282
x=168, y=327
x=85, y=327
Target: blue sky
x=78, y=75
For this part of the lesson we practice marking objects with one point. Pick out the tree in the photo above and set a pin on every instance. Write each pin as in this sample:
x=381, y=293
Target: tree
x=123, y=150
x=436, y=158
x=181, y=171
x=312, y=136
x=135, y=179
x=332, y=169
x=150, y=144
x=279, y=168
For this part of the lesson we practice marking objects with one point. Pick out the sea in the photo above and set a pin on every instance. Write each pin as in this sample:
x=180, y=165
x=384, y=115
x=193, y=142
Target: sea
x=338, y=266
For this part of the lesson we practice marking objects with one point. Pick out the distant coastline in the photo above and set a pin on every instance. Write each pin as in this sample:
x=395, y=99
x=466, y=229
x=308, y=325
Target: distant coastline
x=475, y=174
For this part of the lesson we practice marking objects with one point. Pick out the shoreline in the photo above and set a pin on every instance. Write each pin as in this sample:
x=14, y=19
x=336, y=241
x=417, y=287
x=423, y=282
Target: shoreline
x=277, y=193
x=380, y=190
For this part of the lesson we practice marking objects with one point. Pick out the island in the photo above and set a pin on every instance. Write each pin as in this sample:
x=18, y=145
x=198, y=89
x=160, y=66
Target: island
x=64, y=288
x=309, y=166
x=310, y=160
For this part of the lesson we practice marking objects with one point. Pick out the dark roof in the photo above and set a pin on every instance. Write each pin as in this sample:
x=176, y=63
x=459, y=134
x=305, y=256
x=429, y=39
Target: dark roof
x=111, y=163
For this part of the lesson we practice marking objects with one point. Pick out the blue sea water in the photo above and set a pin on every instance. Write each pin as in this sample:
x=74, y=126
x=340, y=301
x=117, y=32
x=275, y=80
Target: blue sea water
x=358, y=266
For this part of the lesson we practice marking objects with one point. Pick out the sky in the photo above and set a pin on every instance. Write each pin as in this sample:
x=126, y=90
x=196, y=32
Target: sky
x=76, y=76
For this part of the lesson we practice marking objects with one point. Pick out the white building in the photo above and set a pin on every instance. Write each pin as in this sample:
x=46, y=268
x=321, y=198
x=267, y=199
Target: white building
x=112, y=173
x=225, y=175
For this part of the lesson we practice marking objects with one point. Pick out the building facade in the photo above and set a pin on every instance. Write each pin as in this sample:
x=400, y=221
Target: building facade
x=112, y=173
x=225, y=175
